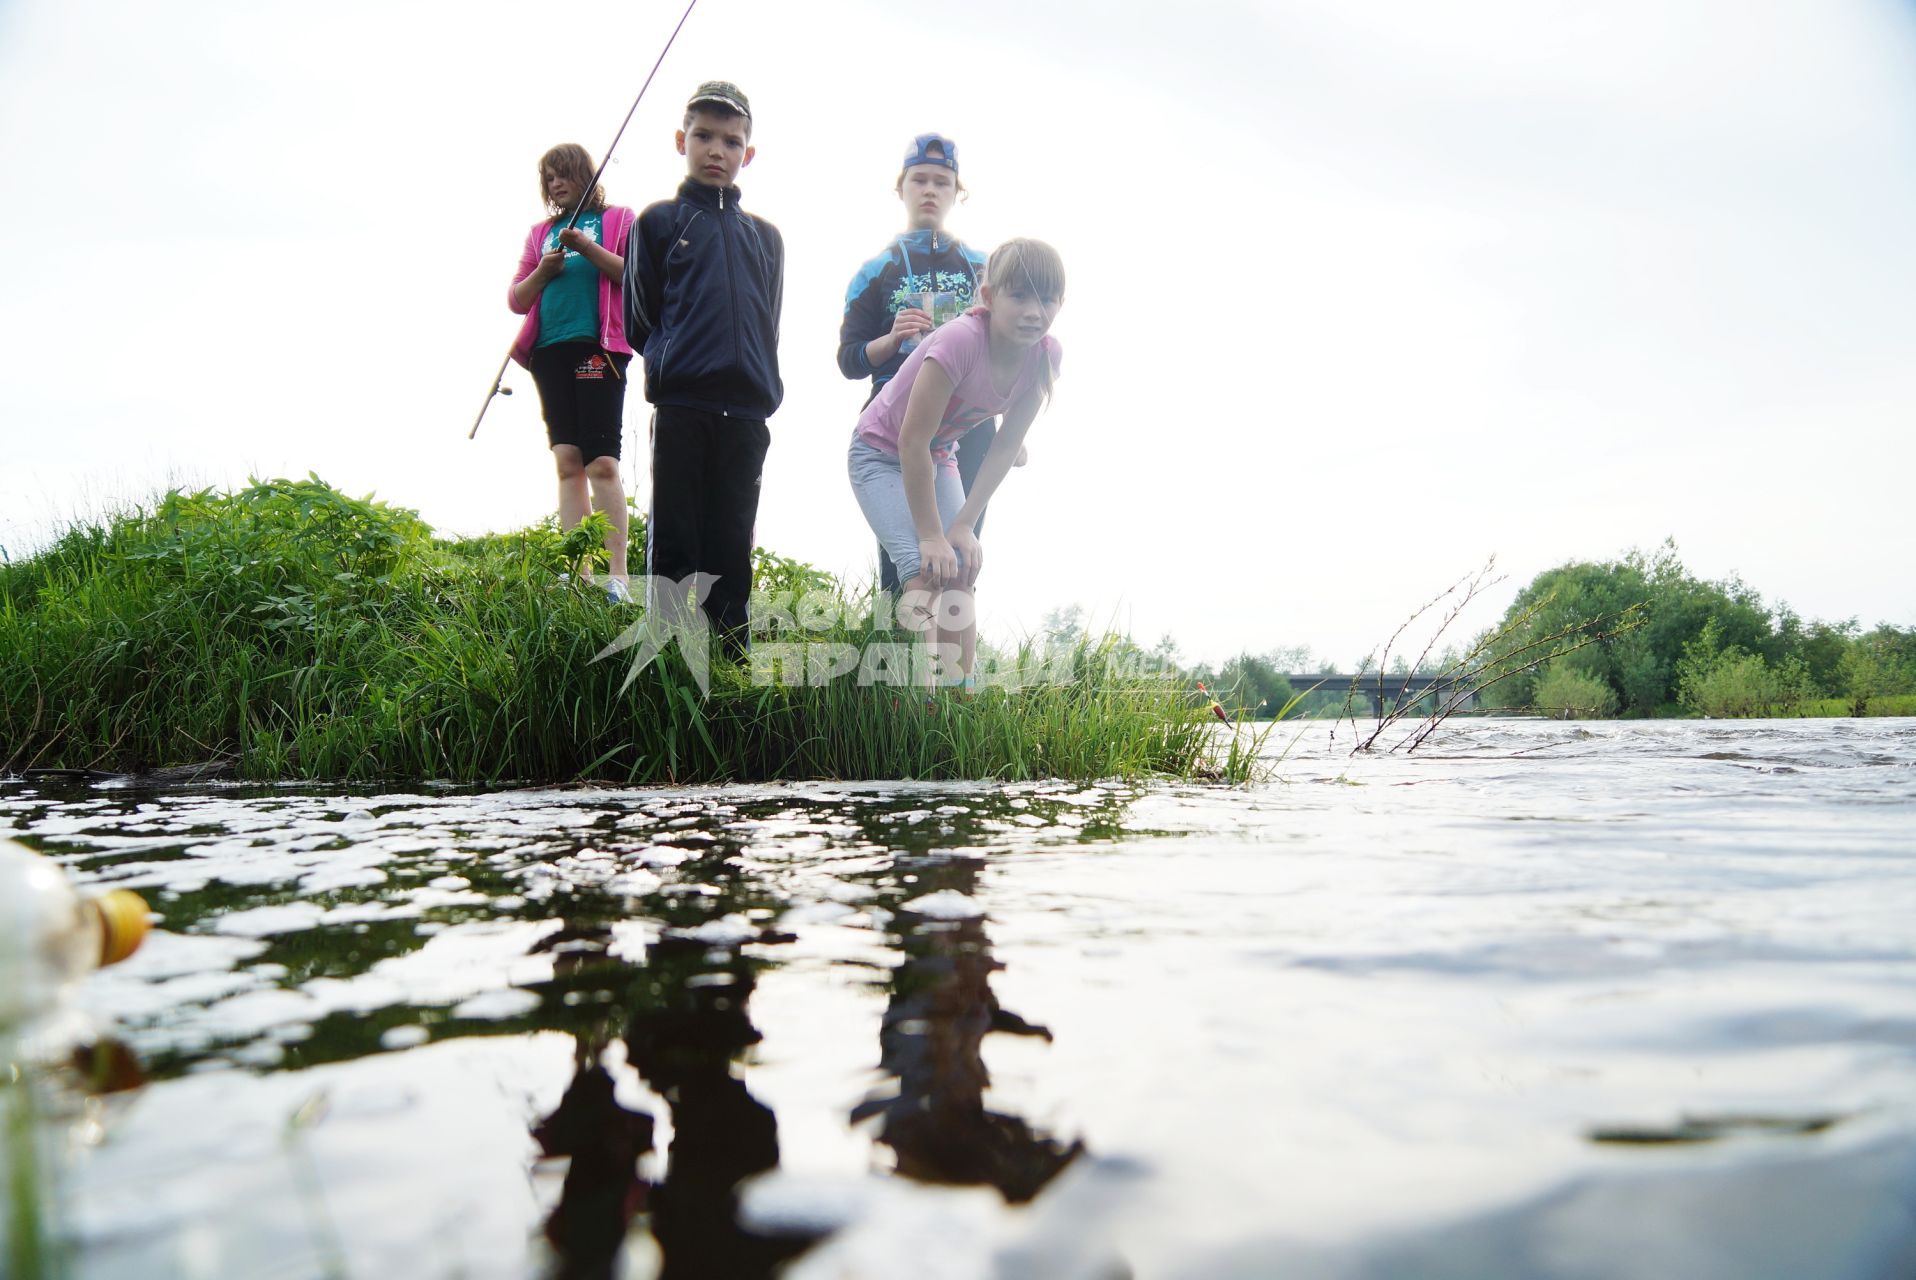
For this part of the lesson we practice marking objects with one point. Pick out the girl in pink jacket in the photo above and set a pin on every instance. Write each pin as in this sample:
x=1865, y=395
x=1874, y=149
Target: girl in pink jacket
x=573, y=341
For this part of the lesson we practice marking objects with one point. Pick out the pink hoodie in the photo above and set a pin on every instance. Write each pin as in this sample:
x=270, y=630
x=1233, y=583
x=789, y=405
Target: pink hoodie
x=615, y=227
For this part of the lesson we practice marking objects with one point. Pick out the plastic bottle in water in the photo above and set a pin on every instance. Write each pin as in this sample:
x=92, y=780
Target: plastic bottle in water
x=50, y=938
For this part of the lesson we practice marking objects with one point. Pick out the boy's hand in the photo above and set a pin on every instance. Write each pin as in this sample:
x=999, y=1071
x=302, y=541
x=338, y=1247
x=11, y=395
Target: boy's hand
x=965, y=543
x=1021, y=459
x=909, y=322
x=938, y=562
x=575, y=239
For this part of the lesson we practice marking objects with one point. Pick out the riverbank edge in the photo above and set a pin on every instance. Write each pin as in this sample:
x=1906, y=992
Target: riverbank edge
x=304, y=635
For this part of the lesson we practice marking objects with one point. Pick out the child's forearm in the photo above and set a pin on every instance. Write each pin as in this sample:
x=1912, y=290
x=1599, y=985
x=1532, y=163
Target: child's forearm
x=921, y=489
x=525, y=292
x=991, y=473
x=924, y=410
x=609, y=263
x=997, y=464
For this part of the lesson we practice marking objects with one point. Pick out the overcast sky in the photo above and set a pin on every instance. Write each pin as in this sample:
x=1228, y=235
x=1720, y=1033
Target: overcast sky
x=1360, y=294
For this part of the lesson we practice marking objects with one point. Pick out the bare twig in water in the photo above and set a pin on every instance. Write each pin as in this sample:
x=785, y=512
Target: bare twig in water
x=1465, y=589
x=1484, y=665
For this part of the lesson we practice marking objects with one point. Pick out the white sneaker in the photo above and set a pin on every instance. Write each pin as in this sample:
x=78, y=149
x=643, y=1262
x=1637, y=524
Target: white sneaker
x=616, y=592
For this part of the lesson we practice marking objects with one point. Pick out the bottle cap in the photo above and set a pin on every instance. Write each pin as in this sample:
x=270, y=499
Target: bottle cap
x=123, y=921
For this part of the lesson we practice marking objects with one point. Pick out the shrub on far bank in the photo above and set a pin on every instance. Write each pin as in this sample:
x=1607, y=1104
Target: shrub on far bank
x=1870, y=672
x=1565, y=693
x=1724, y=681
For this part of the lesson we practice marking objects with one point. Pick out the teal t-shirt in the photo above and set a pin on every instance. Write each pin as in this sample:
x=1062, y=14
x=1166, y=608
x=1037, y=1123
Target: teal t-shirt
x=569, y=307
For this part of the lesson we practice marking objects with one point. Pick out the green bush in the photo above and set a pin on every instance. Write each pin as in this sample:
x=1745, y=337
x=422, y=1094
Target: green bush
x=1872, y=669
x=1723, y=682
x=1735, y=685
x=1565, y=693
x=1790, y=686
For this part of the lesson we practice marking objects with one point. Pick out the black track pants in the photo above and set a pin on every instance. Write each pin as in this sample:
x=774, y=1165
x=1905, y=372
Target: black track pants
x=705, y=482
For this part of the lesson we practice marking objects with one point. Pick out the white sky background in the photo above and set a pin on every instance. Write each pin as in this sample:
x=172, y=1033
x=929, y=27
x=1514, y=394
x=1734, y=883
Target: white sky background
x=1360, y=294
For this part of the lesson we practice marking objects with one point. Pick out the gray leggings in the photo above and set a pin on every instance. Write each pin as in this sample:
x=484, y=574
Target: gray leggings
x=879, y=484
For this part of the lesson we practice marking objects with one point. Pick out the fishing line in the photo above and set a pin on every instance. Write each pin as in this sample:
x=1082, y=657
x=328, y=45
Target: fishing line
x=497, y=389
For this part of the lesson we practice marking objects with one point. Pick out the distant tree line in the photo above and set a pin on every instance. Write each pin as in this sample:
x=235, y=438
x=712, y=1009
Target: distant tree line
x=1661, y=641
x=1635, y=637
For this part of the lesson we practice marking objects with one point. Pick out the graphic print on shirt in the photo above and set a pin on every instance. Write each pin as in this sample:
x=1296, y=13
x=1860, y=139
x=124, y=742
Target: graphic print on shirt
x=960, y=417
x=588, y=224
x=956, y=284
x=943, y=295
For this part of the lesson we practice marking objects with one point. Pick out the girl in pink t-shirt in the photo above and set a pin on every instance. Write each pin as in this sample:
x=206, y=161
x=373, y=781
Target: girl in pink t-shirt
x=995, y=359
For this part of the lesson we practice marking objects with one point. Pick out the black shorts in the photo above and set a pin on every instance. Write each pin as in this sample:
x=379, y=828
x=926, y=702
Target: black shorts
x=582, y=395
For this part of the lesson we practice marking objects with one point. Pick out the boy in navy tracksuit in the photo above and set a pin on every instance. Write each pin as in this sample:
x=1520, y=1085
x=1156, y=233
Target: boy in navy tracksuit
x=703, y=284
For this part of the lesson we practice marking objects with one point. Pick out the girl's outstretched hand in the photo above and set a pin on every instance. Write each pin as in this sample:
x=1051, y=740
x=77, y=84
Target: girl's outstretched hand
x=966, y=544
x=938, y=562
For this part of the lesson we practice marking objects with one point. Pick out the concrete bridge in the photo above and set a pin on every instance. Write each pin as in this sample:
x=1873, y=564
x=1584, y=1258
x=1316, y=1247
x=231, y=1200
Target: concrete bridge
x=1383, y=691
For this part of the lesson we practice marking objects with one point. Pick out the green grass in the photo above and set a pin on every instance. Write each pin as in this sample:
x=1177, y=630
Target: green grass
x=1901, y=704
x=320, y=637
x=1893, y=704
x=30, y=1251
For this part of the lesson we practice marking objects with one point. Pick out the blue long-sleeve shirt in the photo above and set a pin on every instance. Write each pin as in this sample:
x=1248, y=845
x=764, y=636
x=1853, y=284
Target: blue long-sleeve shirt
x=915, y=262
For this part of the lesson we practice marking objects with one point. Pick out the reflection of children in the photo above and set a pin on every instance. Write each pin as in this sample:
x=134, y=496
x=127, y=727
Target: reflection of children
x=931, y=1040
x=693, y=1021
x=883, y=318
x=997, y=358
x=574, y=343
x=703, y=285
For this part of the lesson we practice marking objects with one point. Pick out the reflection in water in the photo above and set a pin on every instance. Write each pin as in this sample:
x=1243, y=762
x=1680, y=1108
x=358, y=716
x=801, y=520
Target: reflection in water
x=308, y=933
x=602, y=1139
x=685, y=1016
x=602, y=1186
x=931, y=1042
x=692, y=1020
x=688, y=1020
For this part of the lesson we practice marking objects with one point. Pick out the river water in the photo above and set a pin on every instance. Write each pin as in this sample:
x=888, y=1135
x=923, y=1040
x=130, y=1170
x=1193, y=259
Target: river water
x=1539, y=999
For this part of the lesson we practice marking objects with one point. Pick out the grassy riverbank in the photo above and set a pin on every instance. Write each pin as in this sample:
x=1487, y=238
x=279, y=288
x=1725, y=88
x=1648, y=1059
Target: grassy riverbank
x=309, y=635
x=1901, y=704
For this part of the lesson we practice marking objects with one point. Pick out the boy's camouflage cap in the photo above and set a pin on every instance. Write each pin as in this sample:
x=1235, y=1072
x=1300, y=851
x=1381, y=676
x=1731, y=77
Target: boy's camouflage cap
x=722, y=93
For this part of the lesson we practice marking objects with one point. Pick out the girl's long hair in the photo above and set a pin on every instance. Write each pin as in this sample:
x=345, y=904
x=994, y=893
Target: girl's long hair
x=1038, y=267
x=569, y=160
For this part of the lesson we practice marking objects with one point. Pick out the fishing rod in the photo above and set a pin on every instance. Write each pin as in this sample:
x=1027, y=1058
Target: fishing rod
x=498, y=387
